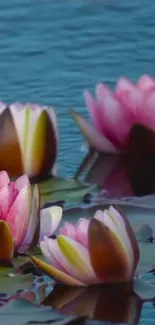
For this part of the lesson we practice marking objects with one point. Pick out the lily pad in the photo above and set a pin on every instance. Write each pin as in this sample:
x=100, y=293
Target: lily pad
x=144, y=233
x=12, y=282
x=69, y=190
x=144, y=289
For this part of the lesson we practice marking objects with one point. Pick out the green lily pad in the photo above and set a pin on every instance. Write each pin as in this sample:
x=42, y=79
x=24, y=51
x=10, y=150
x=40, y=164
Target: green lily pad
x=12, y=282
x=69, y=190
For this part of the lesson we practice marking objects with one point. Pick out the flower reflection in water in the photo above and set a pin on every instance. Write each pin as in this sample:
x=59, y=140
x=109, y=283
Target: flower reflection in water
x=115, y=303
x=119, y=176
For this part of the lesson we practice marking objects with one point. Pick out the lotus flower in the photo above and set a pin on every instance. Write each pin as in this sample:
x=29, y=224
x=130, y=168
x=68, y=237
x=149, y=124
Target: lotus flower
x=115, y=113
x=20, y=216
x=28, y=139
x=101, y=250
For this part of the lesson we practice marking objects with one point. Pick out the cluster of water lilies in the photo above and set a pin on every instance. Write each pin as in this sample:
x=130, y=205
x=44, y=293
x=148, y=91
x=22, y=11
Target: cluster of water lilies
x=79, y=255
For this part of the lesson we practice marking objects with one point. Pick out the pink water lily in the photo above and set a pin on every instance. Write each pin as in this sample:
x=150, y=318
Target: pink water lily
x=22, y=223
x=28, y=139
x=101, y=250
x=114, y=113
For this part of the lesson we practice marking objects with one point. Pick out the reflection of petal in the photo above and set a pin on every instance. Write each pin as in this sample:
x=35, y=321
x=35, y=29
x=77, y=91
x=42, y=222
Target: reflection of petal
x=6, y=242
x=115, y=303
x=123, y=176
x=109, y=172
x=62, y=295
x=140, y=163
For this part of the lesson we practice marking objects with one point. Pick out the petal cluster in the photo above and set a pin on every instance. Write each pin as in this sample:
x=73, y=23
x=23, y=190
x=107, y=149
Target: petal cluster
x=22, y=223
x=28, y=139
x=114, y=113
x=101, y=250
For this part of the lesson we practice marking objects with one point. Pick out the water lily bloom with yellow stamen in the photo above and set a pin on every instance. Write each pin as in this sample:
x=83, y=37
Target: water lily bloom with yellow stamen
x=22, y=223
x=114, y=113
x=101, y=250
x=28, y=139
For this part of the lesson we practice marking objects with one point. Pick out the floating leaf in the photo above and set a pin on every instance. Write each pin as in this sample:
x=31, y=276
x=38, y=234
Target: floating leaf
x=144, y=233
x=70, y=190
x=11, y=282
x=144, y=289
x=147, y=257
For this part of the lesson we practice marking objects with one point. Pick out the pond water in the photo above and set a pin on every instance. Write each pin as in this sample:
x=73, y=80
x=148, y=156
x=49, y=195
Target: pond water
x=51, y=50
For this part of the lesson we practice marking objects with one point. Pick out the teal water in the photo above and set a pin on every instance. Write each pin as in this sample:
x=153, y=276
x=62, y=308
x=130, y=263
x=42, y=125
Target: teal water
x=51, y=50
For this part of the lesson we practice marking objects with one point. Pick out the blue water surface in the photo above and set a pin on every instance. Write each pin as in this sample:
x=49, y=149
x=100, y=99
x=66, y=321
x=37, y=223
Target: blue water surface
x=51, y=50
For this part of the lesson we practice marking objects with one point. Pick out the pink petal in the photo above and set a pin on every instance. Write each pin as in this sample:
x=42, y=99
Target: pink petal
x=114, y=115
x=145, y=83
x=118, y=217
x=49, y=221
x=56, y=257
x=68, y=230
x=18, y=216
x=99, y=215
x=147, y=111
x=82, y=231
x=94, y=138
x=133, y=102
x=21, y=182
x=4, y=178
x=33, y=221
x=94, y=110
x=124, y=84
x=45, y=248
x=76, y=260
x=6, y=200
